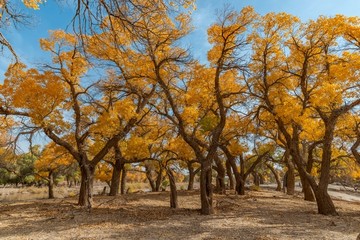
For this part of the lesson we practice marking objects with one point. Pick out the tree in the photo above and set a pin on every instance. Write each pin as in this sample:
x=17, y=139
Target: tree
x=192, y=116
x=52, y=161
x=65, y=109
x=305, y=89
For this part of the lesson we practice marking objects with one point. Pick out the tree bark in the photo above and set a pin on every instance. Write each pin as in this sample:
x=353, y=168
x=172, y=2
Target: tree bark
x=240, y=183
x=230, y=175
x=173, y=191
x=220, y=178
x=256, y=178
x=117, y=168
x=309, y=159
x=86, y=187
x=239, y=177
x=51, y=184
x=115, y=178
x=159, y=179
x=261, y=178
x=290, y=177
x=149, y=178
x=308, y=193
x=276, y=176
x=115, y=181
x=206, y=192
x=191, y=176
x=123, y=180
x=290, y=181
x=152, y=184
x=324, y=201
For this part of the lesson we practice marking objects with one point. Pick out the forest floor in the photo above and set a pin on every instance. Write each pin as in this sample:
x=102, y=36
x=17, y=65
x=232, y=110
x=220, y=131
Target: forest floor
x=260, y=215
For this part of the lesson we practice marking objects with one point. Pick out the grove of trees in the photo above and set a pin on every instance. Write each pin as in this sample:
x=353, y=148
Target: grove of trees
x=122, y=94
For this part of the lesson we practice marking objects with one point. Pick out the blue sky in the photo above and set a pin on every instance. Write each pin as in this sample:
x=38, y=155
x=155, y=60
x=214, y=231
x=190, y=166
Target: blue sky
x=305, y=9
x=54, y=16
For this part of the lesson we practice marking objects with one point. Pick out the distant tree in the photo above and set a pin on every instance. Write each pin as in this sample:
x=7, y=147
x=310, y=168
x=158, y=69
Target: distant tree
x=53, y=160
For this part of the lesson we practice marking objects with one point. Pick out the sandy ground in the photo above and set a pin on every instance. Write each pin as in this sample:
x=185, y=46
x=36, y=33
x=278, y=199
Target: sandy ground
x=335, y=191
x=259, y=215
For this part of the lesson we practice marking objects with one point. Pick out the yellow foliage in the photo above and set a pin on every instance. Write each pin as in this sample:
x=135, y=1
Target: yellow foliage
x=236, y=148
x=20, y=86
x=103, y=172
x=190, y=114
x=135, y=147
x=181, y=148
x=52, y=158
x=34, y=4
x=223, y=35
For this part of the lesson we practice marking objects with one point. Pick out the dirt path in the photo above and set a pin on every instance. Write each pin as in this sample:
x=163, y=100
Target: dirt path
x=258, y=215
x=335, y=191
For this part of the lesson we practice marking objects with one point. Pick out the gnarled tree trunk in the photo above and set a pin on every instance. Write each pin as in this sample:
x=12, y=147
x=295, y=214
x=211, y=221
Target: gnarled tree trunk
x=324, y=201
x=117, y=168
x=149, y=178
x=123, y=180
x=308, y=193
x=276, y=176
x=86, y=187
x=290, y=181
x=191, y=176
x=220, y=178
x=206, y=191
x=290, y=175
x=230, y=175
x=173, y=191
x=159, y=179
x=51, y=184
x=256, y=178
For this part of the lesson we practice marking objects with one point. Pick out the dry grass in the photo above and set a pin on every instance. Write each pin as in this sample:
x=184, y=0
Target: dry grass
x=258, y=215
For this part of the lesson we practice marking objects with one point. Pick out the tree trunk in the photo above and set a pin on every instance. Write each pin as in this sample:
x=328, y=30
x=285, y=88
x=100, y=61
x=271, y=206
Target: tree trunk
x=191, y=176
x=151, y=182
x=306, y=188
x=115, y=178
x=240, y=186
x=230, y=175
x=68, y=181
x=51, y=184
x=261, y=178
x=159, y=179
x=206, y=192
x=308, y=193
x=324, y=203
x=86, y=187
x=323, y=200
x=173, y=191
x=220, y=178
x=276, y=176
x=290, y=180
x=256, y=178
x=240, y=182
x=123, y=179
